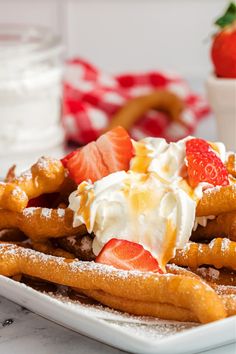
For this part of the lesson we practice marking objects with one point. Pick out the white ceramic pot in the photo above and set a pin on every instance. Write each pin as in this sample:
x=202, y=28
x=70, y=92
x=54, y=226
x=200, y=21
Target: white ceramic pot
x=222, y=98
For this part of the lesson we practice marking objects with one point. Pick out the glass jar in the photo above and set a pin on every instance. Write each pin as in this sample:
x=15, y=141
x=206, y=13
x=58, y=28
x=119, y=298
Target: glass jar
x=30, y=95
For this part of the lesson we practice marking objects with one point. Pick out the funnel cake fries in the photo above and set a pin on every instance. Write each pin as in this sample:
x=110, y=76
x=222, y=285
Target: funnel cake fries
x=220, y=253
x=94, y=223
x=46, y=176
x=224, y=225
x=41, y=223
x=134, y=109
x=176, y=290
x=216, y=201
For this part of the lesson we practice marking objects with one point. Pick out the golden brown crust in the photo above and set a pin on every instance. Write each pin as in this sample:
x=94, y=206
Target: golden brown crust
x=216, y=201
x=41, y=223
x=12, y=197
x=135, y=108
x=45, y=176
x=220, y=253
x=140, y=308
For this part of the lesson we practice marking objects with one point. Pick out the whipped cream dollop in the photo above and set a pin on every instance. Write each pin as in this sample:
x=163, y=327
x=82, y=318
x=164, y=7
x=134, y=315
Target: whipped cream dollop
x=151, y=204
x=167, y=160
x=137, y=207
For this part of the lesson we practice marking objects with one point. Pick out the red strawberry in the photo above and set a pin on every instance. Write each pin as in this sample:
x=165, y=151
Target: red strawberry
x=87, y=163
x=127, y=255
x=223, y=51
x=116, y=149
x=204, y=165
x=110, y=153
x=65, y=159
x=197, y=145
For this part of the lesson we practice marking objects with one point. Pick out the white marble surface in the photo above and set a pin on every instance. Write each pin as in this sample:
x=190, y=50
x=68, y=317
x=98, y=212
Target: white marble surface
x=23, y=332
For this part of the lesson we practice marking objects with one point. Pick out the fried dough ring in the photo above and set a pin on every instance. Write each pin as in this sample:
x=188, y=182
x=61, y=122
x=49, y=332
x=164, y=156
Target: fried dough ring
x=140, y=308
x=178, y=290
x=220, y=252
x=223, y=225
x=45, y=176
x=41, y=223
x=216, y=201
x=135, y=108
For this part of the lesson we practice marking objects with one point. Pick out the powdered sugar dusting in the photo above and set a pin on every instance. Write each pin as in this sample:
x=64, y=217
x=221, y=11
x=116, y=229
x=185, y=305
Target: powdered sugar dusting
x=17, y=192
x=225, y=244
x=46, y=213
x=86, y=244
x=76, y=265
x=213, y=189
x=137, y=325
x=29, y=211
x=213, y=273
x=61, y=212
x=25, y=176
x=42, y=163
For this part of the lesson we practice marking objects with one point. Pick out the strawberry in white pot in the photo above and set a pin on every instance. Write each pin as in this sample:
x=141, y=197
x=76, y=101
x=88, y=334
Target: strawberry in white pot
x=223, y=50
x=221, y=85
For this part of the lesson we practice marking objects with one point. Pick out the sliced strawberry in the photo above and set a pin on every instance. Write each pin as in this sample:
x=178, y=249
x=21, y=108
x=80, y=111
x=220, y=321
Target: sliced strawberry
x=116, y=149
x=204, y=165
x=197, y=145
x=127, y=255
x=65, y=159
x=110, y=153
x=86, y=164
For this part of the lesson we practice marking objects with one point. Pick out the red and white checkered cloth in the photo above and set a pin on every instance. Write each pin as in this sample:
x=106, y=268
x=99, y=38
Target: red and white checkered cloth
x=91, y=98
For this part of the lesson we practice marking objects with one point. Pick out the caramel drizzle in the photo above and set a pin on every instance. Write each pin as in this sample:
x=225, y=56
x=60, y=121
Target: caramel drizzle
x=86, y=199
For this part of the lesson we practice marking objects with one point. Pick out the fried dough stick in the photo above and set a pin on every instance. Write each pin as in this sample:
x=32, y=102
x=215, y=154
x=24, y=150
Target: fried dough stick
x=45, y=176
x=135, y=108
x=216, y=201
x=220, y=252
x=41, y=223
x=141, y=308
x=178, y=290
x=224, y=225
x=227, y=292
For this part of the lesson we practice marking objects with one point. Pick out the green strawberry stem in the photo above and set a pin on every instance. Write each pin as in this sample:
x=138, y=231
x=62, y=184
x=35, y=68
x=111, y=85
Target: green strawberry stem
x=229, y=16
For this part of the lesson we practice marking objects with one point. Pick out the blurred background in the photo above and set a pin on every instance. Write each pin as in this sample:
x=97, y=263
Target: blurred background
x=128, y=36
x=121, y=35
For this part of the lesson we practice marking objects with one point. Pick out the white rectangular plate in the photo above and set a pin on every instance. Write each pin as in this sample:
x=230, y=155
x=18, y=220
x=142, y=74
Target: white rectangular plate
x=130, y=333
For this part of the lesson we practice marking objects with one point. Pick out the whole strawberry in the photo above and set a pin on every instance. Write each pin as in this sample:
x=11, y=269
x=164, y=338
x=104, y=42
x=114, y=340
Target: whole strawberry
x=223, y=51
